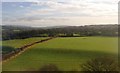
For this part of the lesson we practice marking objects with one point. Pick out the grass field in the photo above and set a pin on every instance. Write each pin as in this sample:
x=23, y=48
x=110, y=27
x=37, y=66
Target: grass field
x=67, y=53
x=20, y=42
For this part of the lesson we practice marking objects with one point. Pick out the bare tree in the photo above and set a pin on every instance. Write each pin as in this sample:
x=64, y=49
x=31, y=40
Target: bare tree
x=100, y=64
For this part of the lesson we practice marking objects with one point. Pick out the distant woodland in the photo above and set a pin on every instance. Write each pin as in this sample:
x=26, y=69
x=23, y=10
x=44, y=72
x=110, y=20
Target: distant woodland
x=21, y=32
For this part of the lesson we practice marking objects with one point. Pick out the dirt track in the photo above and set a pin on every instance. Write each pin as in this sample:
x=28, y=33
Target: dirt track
x=22, y=49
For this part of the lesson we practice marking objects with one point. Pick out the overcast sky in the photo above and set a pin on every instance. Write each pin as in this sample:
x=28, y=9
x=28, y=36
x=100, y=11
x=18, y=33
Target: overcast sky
x=59, y=12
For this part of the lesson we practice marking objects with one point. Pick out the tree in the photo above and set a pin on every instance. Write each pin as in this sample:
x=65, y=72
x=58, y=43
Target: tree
x=100, y=64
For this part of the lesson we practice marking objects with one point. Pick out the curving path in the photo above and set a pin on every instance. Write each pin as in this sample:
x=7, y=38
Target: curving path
x=22, y=49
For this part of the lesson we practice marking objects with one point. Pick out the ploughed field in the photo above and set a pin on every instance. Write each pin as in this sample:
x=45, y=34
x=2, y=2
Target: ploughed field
x=66, y=53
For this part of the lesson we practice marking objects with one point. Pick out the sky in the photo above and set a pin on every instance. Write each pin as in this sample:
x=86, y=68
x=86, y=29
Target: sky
x=42, y=13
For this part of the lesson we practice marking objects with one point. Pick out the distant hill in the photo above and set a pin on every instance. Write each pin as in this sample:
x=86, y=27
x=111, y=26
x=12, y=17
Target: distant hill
x=13, y=27
x=17, y=32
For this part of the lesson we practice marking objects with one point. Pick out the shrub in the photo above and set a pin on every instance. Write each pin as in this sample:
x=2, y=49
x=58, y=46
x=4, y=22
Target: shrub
x=100, y=64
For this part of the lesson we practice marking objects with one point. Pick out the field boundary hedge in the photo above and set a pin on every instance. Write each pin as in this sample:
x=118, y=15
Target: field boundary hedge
x=22, y=49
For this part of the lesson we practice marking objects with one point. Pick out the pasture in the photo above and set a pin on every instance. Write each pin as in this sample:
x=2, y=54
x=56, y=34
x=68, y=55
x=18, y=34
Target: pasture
x=67, y=53
x=20, y=42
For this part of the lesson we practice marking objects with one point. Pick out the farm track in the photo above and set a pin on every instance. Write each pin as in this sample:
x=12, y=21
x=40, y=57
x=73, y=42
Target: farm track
x=22, y=49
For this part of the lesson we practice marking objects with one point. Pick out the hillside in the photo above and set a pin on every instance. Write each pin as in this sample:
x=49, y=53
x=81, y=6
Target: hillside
x=18, y=32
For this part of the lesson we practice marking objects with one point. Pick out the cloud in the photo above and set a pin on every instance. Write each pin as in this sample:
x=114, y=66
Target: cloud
x=76, y=7
x=30, y=19
x=64, y=21
x=20, y=0
x=21, y=6
x=67, y=12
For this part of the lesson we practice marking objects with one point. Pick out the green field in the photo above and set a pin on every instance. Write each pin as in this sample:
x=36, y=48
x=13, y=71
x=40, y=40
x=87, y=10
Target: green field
x=67, y=53
x=20, y=42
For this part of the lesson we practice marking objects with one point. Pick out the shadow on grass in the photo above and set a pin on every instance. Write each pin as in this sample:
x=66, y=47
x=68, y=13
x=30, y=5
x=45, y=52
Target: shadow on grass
x=72, y=53
x=6, y=49
x=58, y=55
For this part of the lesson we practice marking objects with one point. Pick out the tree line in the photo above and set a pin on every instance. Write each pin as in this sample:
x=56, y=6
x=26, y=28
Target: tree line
x=18, y=32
